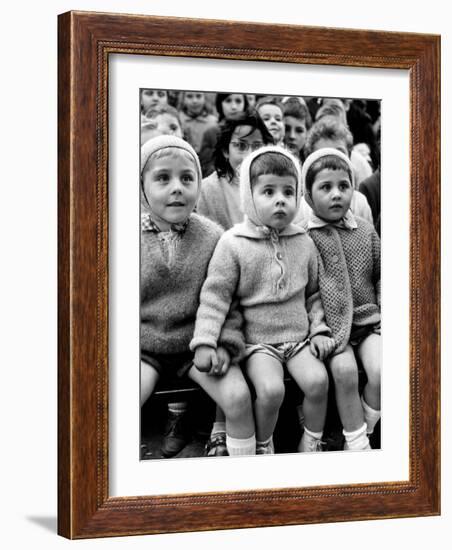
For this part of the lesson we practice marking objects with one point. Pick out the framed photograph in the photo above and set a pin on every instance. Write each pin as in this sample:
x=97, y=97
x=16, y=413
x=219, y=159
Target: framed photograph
x=113, y=478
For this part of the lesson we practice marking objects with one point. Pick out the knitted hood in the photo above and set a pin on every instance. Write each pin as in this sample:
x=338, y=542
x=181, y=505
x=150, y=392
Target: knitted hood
x=246, y=195
x=314, y=157
x=158, y=143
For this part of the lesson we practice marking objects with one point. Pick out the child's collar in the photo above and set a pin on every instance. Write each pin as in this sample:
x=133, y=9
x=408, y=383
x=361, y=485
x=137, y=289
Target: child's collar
x=148, y=224
x=249, y=229
x=347, y=222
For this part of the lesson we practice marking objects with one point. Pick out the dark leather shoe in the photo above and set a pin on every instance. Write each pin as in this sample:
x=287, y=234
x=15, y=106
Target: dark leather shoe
x=177, y=434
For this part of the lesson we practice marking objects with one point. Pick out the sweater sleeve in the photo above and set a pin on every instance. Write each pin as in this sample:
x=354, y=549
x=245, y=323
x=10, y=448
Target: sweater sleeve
x=231, y=336
x=314, y=306
x=216, y=295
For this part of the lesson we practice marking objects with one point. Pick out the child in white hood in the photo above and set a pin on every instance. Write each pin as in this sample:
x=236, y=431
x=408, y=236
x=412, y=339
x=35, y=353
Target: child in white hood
x=270, y=265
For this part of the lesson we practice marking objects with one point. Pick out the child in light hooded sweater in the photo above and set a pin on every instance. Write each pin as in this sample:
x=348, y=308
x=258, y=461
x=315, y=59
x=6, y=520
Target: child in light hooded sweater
x=270, y=265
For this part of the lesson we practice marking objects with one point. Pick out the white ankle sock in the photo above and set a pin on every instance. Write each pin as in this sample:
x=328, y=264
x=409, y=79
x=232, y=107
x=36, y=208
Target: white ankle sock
x=371, y=416
x=178, y=407
x=218, y=428
x=241, y=447
x=308, y=440
x=357, y=440
x=265, y=447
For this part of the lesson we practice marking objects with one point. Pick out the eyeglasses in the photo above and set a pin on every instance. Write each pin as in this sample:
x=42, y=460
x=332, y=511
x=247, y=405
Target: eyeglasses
x=243, y=146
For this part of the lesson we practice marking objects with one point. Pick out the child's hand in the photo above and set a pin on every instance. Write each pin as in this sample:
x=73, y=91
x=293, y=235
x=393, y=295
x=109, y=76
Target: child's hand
x=224, y=361
x=205, y=358
x=321, y=346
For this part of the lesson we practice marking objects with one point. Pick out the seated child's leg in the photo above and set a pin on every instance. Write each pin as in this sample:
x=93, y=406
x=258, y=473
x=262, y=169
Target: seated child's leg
x=311, y=376
x=267, y=376
x=149, y=377
x=232, y=394
x=369, y=351
x=345, y=374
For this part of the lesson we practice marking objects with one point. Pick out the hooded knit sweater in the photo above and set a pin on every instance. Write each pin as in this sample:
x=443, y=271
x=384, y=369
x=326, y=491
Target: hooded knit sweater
x=170, y=296
x=274, y=276
x=349, y=270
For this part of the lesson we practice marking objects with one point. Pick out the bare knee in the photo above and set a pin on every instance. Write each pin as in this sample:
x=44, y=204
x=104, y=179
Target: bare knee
x=373, y=374
x=317, y=387
x=237, y=400
x=270, y=394
x=345, y=373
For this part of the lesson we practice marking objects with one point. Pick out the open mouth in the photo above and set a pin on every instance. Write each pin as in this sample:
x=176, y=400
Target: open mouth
x=176, y=204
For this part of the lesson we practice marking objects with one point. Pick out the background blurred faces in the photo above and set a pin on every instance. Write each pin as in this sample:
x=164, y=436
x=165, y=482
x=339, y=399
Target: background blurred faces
x=152, y=99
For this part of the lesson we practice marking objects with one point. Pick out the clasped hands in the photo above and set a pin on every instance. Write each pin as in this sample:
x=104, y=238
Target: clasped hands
x=213, y=361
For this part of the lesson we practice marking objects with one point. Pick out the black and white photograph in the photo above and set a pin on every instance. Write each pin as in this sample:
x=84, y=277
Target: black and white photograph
x=260, y=298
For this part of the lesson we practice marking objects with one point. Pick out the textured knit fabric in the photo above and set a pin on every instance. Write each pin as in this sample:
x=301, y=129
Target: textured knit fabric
x=170, y=296
x=220, y=201
x=273, y=275
x=196, y=126
x=275, y=282
x=158, y=143
x=349, y=277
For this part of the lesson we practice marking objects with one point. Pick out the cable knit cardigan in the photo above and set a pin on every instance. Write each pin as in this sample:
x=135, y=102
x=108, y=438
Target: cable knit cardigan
x=170, y=297
x=349, y=277
x=275, y=281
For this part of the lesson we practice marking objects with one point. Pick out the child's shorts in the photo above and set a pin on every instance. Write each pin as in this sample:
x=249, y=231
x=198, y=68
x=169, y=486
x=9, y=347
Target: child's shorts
x=359, y=334
x=283, y=352
x=169, y=365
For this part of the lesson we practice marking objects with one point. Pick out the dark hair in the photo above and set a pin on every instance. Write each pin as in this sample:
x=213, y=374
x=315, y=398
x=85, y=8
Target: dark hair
x=227, y=128
x=269, y=100
x=293, y=107
x=328, y=127
x=274, y=163
x=329, y=162
x=219, y=103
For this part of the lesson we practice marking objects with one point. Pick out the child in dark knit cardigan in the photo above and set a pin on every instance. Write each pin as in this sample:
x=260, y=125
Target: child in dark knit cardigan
x=176, y=247
x=349, y=280
x=270, y=266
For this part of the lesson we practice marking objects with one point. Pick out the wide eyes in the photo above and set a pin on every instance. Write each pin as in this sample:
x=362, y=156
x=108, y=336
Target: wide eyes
x=269, y=192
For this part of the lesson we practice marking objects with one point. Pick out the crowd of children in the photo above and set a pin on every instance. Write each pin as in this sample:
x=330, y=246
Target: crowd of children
x=260, y=257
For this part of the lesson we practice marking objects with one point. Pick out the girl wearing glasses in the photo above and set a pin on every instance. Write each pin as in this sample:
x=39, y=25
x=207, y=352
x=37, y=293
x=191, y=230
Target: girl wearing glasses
x=219, y=199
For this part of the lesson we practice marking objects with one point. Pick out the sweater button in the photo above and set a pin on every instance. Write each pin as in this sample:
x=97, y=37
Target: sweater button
x=334, y=258
x=340, y=286
x=279, y=255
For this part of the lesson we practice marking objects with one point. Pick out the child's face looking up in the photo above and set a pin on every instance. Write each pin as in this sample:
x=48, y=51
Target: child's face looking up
x=171, y=187
x=331, y=194
x=233, y=104
x=153, y=98
x=273, y=119
x=194, y=102
x=275, y=200
x=295, y=134
x=244, y=140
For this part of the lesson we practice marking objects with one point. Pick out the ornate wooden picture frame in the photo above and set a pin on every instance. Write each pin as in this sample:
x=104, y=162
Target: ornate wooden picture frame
x=86, y=40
